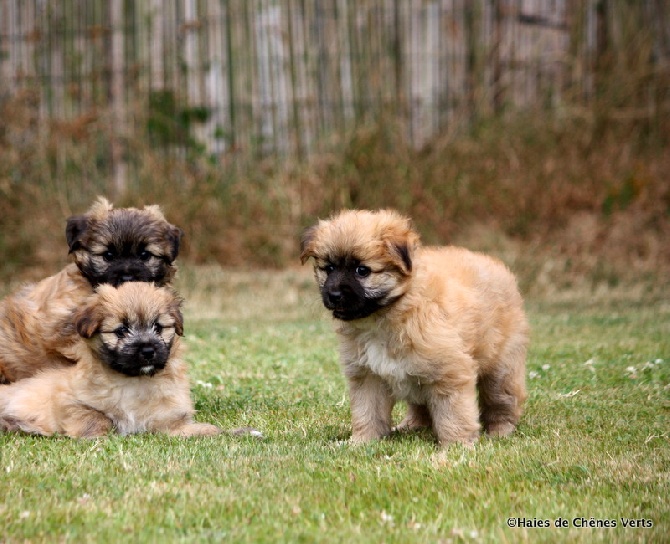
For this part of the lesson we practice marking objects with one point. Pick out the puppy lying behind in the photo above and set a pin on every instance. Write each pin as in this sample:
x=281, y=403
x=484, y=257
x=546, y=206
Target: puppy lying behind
x=108, y=245
x=129, y=374
x=427, y=325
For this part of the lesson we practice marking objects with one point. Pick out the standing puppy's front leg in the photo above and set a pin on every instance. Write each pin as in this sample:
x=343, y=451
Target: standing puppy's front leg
x=371, y=405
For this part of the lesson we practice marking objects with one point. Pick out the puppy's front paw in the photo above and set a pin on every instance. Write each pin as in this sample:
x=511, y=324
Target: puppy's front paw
x=501, y=428
x=364, y=438
x=467, y=441
x=196, y=429
x=358, y=440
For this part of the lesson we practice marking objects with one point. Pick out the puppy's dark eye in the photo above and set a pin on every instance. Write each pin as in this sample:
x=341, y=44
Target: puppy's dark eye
x=121, y=331
x=329, y=268
x=363, y=271
x=158, y=328
x=145, y=255
x=108, y=255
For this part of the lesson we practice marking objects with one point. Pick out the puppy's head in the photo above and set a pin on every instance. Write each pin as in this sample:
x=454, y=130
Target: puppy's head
x=125, y=244
x=131, y=328
x=362, y=260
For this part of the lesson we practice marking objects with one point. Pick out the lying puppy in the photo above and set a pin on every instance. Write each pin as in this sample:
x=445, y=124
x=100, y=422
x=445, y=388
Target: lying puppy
x=428, y=325
x=108, y=246
x=129, y=374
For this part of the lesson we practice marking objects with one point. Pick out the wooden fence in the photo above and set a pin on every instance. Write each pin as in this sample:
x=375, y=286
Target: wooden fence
x=291, y=77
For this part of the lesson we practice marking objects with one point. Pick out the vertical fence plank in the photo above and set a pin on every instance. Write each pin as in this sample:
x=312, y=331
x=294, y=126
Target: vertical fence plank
x=295, y=131
x=282, y=77
x=119, y=170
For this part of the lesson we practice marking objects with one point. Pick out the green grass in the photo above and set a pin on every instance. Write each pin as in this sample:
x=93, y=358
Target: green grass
x=593, y=442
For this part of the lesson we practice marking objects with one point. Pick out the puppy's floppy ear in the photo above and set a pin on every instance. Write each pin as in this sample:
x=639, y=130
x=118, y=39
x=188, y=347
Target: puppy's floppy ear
x=77, y=225
x=307, y=243
x=403, y=255
x=88, y=320
x=401, y=243
x=174, y=310
x=175, y=313
x=173, y=236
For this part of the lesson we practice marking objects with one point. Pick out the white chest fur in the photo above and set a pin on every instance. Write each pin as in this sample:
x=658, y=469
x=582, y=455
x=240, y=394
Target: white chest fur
x=140, y=404
x=399, y=372
x=128, y=409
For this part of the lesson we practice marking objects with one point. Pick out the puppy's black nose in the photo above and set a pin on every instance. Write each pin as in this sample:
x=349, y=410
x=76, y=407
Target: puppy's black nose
x=127, y=277
x=335, y=296
x=147, y=352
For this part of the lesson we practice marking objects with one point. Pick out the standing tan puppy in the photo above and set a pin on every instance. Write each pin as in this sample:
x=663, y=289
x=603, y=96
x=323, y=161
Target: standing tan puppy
x=108, y=245
x=427, y=325
x=129, y=375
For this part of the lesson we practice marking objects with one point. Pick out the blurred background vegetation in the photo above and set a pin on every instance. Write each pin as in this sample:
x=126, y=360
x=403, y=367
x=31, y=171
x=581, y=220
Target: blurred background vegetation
x=538, y=131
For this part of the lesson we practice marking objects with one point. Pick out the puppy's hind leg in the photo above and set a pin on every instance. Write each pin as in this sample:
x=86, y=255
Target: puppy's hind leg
x=417, y=417
x=502, y=392
x=454, y=413
x=85, y=422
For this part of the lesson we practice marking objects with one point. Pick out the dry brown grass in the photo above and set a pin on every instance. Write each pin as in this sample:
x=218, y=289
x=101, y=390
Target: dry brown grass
x=574, y=201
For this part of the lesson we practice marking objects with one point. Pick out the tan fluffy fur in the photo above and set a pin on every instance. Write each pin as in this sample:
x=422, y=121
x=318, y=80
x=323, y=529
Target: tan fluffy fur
x=453, y=323
x=90, y=399
x=31, y=338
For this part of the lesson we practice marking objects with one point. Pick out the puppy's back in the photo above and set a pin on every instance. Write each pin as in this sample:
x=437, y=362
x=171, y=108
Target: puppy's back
x=470, y=270
x=478, y=297
x=32, y=336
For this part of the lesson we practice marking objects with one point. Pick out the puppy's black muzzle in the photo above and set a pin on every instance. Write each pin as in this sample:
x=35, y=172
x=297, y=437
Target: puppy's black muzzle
x=335, y=298
x=130, y=271
x=337, y=294
x=151, y=357
x=345, y=298
x=141, y=358
x=147, y=352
